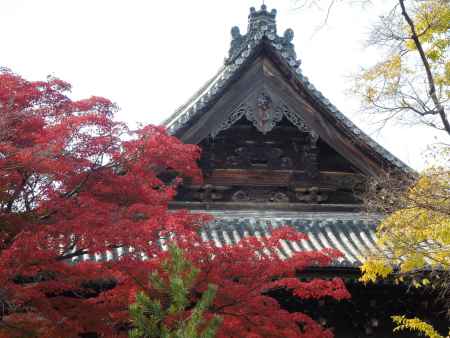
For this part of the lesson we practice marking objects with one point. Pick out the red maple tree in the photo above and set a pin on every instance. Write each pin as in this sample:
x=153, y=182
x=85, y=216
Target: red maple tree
x=74, y=182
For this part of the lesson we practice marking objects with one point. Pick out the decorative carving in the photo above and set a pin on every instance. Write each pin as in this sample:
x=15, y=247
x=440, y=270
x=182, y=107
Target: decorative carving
x=240, y=196
x=208, y=193
x=256, y=155
x=288, y=46
x=236, y=40
x=312, y=195
x=211, y=192
x=264, y=117
x=262, y=24
x=261, y=21
x=232, y=119
x=279, y=197
x=266, y=195
x=296, y=119
x=316, y=194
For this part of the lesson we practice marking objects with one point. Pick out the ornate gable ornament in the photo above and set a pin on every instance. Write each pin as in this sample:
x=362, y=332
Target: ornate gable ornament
x=264, y=117
x=264, y=112
x=262, y=35
x=261, y=24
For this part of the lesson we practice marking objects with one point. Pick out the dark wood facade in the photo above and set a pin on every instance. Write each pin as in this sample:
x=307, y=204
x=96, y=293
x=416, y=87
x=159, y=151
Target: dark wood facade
x=257, y=149
x=273, y=147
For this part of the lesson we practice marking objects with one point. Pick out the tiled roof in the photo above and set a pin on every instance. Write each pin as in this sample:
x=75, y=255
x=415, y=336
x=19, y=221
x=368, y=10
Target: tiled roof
x=351, y=233
x=262, y=29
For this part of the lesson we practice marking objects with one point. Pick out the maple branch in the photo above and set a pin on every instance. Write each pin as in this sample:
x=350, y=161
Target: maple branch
x=426, y=65
x=17, y=192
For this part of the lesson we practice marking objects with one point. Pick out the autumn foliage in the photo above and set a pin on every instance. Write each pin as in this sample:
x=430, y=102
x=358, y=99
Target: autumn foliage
x=75, y=183
x=415, y=234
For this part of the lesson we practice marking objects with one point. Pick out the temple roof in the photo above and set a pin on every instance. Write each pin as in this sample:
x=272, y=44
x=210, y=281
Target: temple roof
x=262, y=72
x=353, y=234
x=262, y=35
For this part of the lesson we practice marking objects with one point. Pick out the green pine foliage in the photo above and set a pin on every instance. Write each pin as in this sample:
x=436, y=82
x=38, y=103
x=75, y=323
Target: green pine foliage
x=168, y=312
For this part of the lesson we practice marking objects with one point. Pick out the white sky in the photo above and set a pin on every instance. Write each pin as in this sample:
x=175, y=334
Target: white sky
x=151, y=56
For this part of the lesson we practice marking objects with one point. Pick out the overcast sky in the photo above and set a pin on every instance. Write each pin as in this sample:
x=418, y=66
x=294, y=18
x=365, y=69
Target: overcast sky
x=151, y=56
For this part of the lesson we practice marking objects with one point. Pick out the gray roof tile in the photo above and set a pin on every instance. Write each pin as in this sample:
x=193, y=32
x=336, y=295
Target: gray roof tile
x=351, y=233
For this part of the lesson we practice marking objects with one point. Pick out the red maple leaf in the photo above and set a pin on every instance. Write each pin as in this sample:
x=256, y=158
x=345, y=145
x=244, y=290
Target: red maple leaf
x=74, y=183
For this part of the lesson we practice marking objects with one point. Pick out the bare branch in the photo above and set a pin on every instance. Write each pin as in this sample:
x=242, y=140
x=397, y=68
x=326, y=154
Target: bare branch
x=426, y=65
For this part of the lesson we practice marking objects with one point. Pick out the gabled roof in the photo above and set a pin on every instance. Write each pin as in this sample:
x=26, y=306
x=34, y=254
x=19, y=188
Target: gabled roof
x=262, y=37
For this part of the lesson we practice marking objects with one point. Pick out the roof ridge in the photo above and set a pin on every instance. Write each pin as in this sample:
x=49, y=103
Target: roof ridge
x=193, y=97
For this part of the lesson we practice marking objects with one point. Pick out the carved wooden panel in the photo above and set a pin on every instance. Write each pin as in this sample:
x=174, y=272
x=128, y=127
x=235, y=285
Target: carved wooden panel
x=273, y=186
x=243, y=146
x=248, y=163
x=264, y=152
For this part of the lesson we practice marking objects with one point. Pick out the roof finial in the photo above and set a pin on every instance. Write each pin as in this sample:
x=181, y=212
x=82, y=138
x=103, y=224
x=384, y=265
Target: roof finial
x=262, y=26
x=260, y=18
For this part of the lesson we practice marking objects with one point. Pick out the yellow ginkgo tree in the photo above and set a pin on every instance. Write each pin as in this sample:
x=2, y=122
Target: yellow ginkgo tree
x=415, y=234
x=412, y=81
